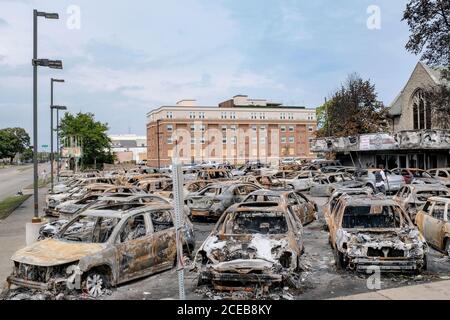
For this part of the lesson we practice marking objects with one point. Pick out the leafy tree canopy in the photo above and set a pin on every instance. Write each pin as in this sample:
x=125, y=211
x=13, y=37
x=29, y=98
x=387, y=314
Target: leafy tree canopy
x=353, y=109
x=13, y=141
x=96, y=145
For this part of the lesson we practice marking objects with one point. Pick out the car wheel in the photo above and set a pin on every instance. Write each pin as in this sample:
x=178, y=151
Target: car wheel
x=95, y=284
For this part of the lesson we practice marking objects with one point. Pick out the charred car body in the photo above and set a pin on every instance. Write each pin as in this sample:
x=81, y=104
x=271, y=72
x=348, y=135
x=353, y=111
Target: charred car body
x=295, y=202
x=253, y=244
x=372, y=231
x=214, y=199
x=99, y=248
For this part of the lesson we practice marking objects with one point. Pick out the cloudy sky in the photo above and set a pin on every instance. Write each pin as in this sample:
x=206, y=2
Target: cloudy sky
x=128, y=57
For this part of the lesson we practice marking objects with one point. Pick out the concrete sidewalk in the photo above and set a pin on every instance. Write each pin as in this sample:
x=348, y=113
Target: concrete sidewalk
x=439, y=290
x=12, y=232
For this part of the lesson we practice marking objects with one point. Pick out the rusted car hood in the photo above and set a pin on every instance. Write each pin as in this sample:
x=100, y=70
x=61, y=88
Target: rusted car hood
x=52, y=252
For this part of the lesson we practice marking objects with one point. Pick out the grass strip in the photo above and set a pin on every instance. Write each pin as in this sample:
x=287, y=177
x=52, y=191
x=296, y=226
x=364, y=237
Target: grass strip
x=8, y=205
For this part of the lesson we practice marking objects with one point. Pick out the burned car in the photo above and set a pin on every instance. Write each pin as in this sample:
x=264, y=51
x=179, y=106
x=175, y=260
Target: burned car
x=433, y=222
x=300, y=181
x=256, y=244
x=98, y=249
x=413, y=175
x=442, y=174
x=373, y=231
x=266, y=182
x=412, y=197
x=214, y=174
x=393, y=184
x=325, y=184
x=214, y=199
x=334, y=198
x=305, y=209
x=76, y=193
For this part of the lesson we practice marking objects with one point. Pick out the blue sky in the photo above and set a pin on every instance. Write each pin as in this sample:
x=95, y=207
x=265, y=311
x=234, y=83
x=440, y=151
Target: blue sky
x=129, y=57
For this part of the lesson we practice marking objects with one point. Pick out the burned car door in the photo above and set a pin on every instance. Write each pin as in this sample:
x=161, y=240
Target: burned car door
x=434, y=223
x=163, y=246
x=134, y=247
x=296, y=207
x=242, y=191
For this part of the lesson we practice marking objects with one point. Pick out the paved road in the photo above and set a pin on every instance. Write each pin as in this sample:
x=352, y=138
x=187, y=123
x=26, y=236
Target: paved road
x=15, y=178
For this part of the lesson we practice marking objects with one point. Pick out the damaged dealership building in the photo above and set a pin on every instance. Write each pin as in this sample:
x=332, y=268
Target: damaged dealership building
x=414, y=139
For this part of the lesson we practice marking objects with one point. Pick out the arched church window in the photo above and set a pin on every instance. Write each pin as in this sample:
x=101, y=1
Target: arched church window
x=421, y=111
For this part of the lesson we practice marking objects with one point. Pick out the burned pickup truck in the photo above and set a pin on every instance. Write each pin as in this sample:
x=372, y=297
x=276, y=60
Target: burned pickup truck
x=373, y=231
x=253, y=245
x=98, y=249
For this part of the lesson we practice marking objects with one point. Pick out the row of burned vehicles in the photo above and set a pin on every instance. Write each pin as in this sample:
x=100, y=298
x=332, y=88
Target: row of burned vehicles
x=113, y=227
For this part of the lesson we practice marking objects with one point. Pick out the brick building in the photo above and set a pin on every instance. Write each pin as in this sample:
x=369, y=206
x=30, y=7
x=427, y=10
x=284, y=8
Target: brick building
x=237, y=130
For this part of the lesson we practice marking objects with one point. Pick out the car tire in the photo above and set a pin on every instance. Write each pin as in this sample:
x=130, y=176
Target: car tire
x=95, y=284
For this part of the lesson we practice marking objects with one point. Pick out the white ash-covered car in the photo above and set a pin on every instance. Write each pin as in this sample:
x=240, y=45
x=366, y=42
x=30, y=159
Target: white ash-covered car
x=374, y=232
x=252, y=245
x=215, y=198
x=98, y=249
x=326, y=184
x=300, y=181
x=79, y=182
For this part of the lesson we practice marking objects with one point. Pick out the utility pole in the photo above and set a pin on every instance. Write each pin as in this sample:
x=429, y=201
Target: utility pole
x=52, y=155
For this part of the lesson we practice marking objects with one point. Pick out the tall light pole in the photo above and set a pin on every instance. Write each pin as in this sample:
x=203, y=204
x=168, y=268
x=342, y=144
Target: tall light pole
x=52, y=155
x=57, y=108
x=54, y=64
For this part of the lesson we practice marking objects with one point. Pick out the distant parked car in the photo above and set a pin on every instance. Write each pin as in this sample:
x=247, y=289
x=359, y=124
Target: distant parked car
x=412, y=175
x=394, y=181
x=214, y=199
x=300, y=181
x=443, y=174
x=412, y=197
x=325, y=184
x=305, y=209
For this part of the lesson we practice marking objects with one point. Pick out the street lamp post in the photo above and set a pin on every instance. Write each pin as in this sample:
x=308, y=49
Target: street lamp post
x=54, y=64
x=57, y=139
x=52, y=155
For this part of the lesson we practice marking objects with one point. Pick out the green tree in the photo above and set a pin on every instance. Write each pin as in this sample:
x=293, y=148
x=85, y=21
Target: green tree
x=12, y=142
x=352, y=109
x=429, y=25
x=96, y=145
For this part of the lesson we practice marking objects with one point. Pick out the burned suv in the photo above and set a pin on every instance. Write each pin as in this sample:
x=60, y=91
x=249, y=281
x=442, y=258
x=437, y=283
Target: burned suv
x=253, y=244
x=368, y=231
x=100, y=248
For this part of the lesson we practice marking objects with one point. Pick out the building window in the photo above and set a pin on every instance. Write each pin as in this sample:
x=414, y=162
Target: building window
x=262, y=116
x=169, y=140
x=192, y=127
x=290, y=116
x=224, y=129
x=262, y=128
x=283, y=139
x=254, y=128
x=191, y=115
x=282, y=116
x=224, y=140
x=421, y=112
x=310, y=128
x=283, y=128
x=201, y=115
x=192, y=140
x=310, y=117
x=169, y=127
x=233, y=128
x=291, y=128
x=169, y=115
x=223, y=115
x=202, y=128
x=202, y=140
x=233, y=140
x=291, y=140
x=232, y=115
